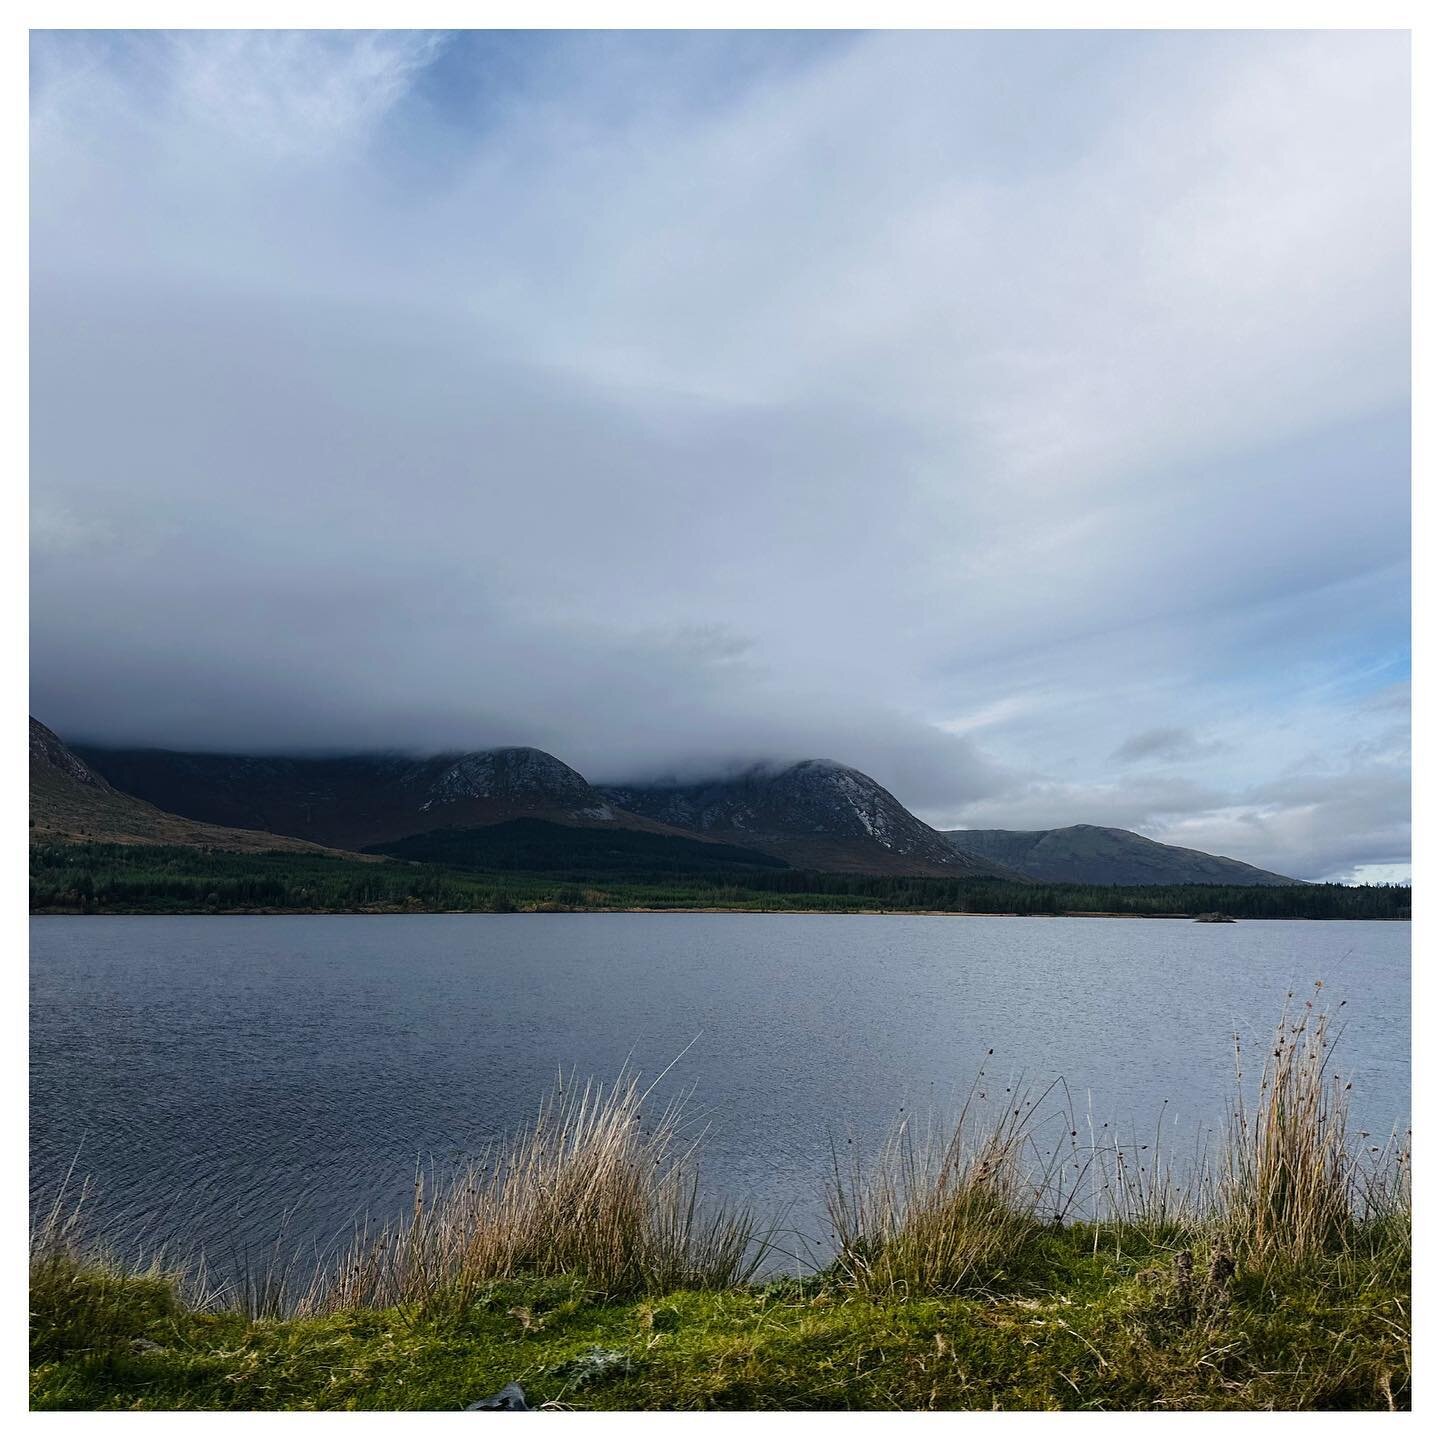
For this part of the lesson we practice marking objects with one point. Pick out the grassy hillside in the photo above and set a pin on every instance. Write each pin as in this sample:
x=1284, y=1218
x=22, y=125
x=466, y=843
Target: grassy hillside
x=103, y=878
x=572, y=853
x=70, y=801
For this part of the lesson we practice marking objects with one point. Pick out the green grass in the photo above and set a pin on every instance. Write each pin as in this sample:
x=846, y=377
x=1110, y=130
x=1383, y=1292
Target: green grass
x=1087, y=1328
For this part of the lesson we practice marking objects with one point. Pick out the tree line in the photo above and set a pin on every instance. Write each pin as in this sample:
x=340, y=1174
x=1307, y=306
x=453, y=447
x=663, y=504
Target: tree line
x=95, y=878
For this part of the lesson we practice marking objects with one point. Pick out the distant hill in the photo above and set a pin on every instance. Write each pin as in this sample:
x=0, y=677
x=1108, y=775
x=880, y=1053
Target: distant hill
x=71, y=800
x=1099, y=855
x=817, y=814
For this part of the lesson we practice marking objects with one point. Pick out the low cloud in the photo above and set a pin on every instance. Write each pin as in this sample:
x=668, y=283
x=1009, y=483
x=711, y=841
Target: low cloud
x=1166, y=742
x=427, y=391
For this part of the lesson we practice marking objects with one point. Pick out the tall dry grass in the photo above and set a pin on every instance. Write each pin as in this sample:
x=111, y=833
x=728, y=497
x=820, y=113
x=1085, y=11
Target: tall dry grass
x=950, y=1208
x=85, y=1295
x=942, y=1210
x=1297, y=1181
x=593, y=1188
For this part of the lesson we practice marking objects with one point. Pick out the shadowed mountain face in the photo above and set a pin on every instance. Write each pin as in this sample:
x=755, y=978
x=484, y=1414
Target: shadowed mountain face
x=71, y=800
x=817, y=814
x=1098, y=855
x=360, y=800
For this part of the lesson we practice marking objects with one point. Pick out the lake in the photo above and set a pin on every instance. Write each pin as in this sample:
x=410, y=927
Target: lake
x=224, y=1078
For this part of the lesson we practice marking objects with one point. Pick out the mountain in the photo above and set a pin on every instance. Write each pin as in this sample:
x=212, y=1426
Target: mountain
x=1099, y=855
x=816, y=814
x=71, y=800
x=359, y=801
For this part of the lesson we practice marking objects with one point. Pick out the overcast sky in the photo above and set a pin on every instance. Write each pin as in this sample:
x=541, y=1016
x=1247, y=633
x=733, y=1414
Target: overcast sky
x=1022, y=418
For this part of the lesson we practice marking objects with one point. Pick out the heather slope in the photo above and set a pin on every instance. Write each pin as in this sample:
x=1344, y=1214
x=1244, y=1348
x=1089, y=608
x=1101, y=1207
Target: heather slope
x=70, y=800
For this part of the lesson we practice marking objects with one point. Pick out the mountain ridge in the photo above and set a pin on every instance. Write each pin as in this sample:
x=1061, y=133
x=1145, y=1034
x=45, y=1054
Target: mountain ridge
x=816, y=814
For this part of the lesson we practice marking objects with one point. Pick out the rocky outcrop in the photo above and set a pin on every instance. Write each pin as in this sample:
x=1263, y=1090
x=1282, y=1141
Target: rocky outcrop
x=816, y=813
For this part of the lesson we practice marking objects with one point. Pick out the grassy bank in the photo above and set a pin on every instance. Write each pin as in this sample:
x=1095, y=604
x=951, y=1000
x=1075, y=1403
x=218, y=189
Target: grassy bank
x=1103, y=1328
x=160, y=880
x=580, y=1260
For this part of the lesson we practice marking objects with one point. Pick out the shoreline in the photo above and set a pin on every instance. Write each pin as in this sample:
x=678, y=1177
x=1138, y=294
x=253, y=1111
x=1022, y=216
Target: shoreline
x=975, y=1292
x=717, y=910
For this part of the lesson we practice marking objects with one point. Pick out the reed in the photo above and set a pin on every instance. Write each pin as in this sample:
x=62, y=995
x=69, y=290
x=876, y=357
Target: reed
x=593, y=1188
x=86, y=1296
x=603, y=1187
x=944, y=1210
x=1296, y=1181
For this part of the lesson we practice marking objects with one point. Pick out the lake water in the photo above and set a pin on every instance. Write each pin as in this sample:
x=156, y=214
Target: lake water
x=213, y=1072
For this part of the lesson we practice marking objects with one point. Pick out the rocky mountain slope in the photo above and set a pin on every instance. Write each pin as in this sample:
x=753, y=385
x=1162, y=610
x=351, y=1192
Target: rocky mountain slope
x=362, y=800
x=71, y=800
x=816, y=814
x=1099, y=855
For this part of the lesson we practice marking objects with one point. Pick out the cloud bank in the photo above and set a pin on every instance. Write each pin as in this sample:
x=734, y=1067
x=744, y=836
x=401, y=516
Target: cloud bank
x=1022, y=418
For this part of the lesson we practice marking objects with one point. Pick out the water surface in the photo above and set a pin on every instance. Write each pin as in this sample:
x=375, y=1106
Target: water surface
x=213, y=1073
